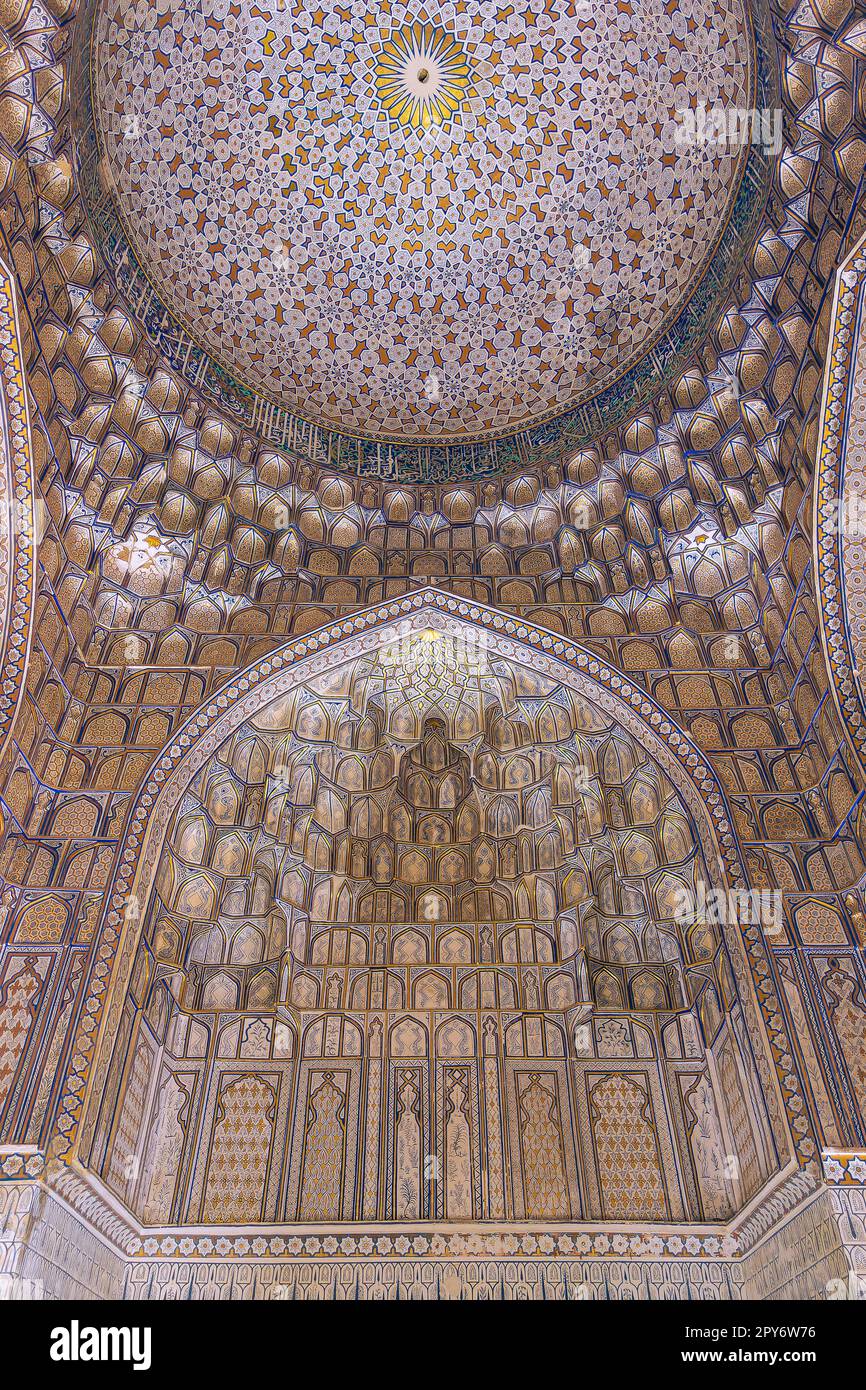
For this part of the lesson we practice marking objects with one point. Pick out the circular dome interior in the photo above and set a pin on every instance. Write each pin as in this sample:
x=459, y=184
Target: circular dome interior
x=422, y=227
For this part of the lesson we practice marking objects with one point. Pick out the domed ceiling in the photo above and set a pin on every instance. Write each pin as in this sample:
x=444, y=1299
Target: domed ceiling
x=433, y=235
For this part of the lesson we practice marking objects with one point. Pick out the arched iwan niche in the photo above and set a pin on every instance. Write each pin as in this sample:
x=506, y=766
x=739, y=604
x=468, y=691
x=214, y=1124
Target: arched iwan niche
x=403, y=940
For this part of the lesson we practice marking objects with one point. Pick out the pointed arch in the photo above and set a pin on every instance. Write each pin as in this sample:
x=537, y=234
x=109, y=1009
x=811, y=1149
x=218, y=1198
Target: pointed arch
x=646, y=726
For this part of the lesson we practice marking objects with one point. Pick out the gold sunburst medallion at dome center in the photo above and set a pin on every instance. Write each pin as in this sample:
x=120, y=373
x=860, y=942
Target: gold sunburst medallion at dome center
x=422, y=75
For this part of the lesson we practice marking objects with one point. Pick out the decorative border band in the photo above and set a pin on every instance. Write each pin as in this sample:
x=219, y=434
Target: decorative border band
x=829, y=482
x=363, y=1242
x=18, y=531
x=844, y=1169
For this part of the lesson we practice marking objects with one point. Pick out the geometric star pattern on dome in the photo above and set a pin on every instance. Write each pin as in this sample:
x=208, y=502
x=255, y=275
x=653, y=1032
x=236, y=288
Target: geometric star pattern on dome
x=341, y=208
